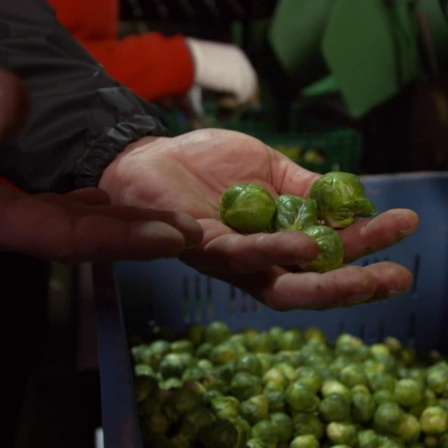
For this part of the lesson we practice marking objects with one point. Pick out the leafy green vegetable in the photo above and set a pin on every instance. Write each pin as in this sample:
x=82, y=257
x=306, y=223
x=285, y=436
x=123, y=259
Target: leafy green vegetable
x=294, y=213
x=340, y=199
x=247, y=208
x=331, y=249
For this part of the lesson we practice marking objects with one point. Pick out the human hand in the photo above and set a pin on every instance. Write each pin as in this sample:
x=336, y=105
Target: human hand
x=83, y=226
x=190, y=172
x=224, y=68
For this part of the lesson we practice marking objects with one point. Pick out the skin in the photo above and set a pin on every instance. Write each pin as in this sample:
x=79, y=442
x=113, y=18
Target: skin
x=189, y=173
x=81, y=225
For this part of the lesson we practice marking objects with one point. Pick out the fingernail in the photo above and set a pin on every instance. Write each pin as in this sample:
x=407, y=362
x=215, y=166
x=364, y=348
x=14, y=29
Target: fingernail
x=405, y=233
x=358, y=298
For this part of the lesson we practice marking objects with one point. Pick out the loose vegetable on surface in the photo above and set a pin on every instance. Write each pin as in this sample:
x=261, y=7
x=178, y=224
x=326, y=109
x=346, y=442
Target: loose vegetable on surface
x=291, y=389
x=336, y=200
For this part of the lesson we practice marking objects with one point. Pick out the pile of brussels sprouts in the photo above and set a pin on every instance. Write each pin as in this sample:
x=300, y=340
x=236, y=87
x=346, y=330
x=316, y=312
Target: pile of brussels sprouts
x=287, y=388
x=335, y=200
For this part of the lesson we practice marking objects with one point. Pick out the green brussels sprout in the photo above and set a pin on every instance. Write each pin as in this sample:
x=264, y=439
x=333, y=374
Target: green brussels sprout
x=225, y=407
x=245, y=385
x=275, y=378
x=311, y=376
x=291, y=339
x=250, y=363
x=408, y=392
x=261, y=343
x=275, y=397
x=367, y=438
x=182, y=346
x=294, y=213
x=247, y=208
x=384, y=396
x=332, y=386
x=382, y=381
x=173, y=365
x=156, y=422
x=335, y=408
x=305, y=423
x=409, y=429
x=342, y=433
x=223, y=353
x=434, y=420
x=144, y=370
x=352, y=375
x=340, y=199
x=283, y=425
x=301, y=397
x=244, y=431
x=257, y=443
x=255, y=408
x=437, y=378
x=216, y=332
x=266, y=431
x=195, y=333
x=331, y=249
x=363, y=407
x=304, y=441
x=388, y=417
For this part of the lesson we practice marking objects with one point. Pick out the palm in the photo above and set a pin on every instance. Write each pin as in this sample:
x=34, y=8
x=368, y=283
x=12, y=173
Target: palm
x=189, y=173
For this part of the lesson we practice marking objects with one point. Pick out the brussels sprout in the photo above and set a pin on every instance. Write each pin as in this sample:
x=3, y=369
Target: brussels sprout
x=332, y=386
x=388, y=417
x=144, y=370
x=255, y=408
x=408, y=392
x=301, y=397
x=247, y=208
x=225, y=407
x=291, y=339
x=310, y=376
x=174, y=364
x=305, y=441
x=331, y=249
x=294, y=213
x=223, y=353
x=305, y=423
x=257, y=443
x=156, y=422
x=245, y=385
x=342, y=433
x=434, y=420
x=363, y=407
x=283, y=425
x=352, y=375
x=335, y=408
x=182, y=346
x=437, y=378
x=275, y=378
x=261, y=343
x=266, y=431
x=144, y=387
x=340, y=199
x=367, y=438
x=275, y=397
x=248, y=362
x=216, y=332
x=409, y=429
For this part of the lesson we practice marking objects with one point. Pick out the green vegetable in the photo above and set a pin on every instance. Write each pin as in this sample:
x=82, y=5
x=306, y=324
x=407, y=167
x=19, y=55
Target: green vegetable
x=247, y=208
x=294, y=213
x=331, y=249
x=283, y=388
x=340, y=199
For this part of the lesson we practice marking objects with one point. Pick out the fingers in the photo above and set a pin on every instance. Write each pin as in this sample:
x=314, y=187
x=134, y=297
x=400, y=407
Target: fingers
x=14, y=105
x=227, y=250
x=365, y=236
x=64, y=230
x=282, y=290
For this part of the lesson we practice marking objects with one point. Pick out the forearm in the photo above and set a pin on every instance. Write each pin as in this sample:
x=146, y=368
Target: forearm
x=79, y=119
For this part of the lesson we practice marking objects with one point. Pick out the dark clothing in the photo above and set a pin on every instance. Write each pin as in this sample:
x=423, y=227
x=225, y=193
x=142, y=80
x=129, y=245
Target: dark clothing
x=80, y=117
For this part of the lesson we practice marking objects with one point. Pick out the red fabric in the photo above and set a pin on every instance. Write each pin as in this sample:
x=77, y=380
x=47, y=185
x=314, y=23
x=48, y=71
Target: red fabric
x=153, y=65
x=4, y=181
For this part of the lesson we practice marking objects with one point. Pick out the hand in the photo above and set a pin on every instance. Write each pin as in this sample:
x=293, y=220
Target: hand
x=224, y=68
x=83, y=226
x=190, y=172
